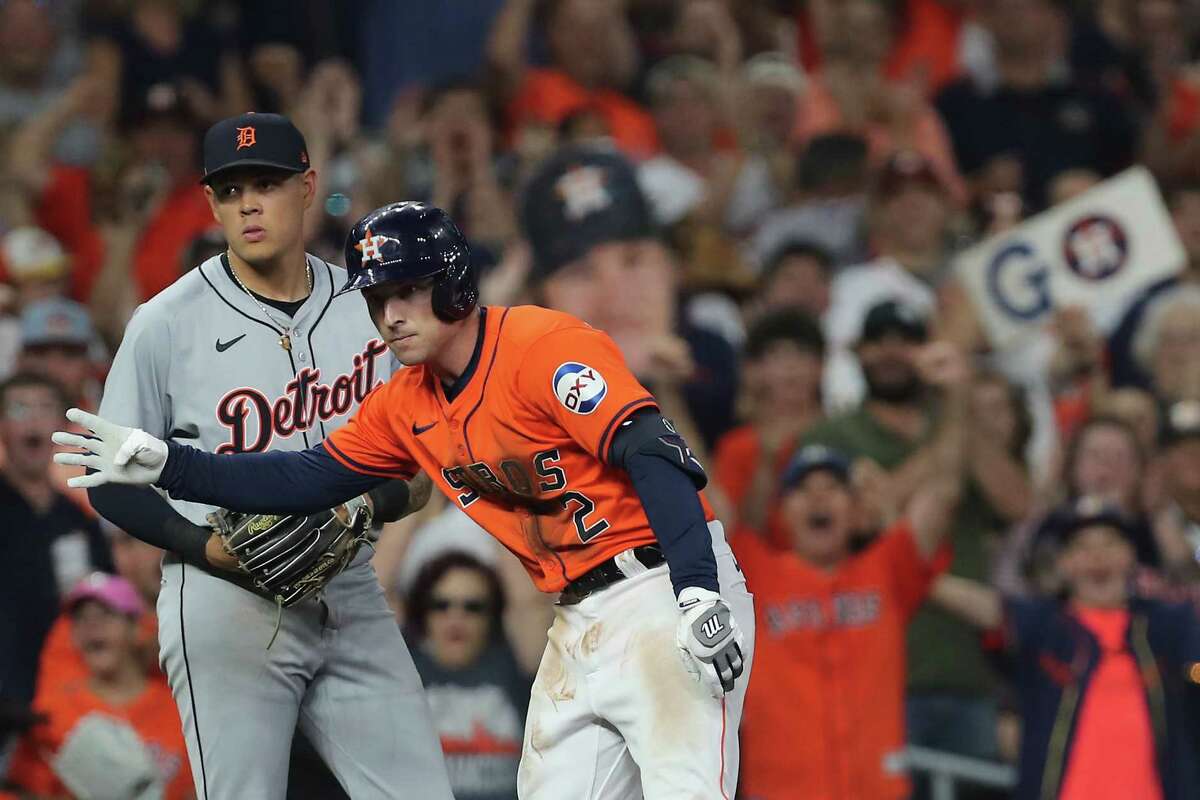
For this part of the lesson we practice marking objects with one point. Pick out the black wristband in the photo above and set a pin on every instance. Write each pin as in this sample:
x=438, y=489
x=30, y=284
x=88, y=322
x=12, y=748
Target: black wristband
x=390, y=500
x=189, y=540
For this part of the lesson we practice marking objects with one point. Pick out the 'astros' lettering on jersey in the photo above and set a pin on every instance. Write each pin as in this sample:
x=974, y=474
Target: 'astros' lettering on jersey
x=522, y=449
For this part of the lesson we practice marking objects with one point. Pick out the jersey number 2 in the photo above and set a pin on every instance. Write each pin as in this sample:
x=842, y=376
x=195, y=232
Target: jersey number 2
x=584, y=506
x=577, y=503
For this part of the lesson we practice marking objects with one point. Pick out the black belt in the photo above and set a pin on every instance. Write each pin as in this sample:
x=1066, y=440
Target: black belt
x=607, y=573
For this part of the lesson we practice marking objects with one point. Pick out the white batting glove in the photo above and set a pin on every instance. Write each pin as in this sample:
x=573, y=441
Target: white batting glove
x=709, y=639
x=116, y=453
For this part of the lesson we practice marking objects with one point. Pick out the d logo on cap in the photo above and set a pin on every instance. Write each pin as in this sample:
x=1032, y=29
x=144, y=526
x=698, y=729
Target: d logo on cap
x=245, y=137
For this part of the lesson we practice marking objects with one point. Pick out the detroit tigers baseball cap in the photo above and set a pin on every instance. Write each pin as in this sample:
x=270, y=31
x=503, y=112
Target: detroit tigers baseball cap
x=254, y=140
x=580, y=198
x=111, y=591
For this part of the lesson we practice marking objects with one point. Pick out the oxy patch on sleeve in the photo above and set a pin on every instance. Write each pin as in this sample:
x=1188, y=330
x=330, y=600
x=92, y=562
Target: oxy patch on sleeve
x=578, y=387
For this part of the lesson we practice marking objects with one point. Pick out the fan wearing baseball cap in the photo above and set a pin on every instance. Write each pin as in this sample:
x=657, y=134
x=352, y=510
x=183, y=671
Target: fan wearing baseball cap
x=114, y=732
x=831, y=632
x=598, y=256
x=900, y=425
x=1101, y=673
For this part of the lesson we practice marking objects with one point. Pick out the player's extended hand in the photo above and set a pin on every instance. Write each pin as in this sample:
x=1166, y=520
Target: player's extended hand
x=116, y=453
x=709, y=639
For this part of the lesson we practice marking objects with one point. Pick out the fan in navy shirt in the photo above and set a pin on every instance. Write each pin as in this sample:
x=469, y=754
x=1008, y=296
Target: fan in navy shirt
x=1032, y=109
x=47, y=542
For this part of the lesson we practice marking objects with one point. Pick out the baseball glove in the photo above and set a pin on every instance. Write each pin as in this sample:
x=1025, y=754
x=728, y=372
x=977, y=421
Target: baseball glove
x=288, y=559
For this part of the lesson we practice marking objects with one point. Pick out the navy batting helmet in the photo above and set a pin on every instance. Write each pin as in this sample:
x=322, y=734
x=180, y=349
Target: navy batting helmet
x=409, y=242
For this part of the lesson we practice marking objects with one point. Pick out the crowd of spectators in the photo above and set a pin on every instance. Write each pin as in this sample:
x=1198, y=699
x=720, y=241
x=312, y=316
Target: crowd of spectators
x=988, y=551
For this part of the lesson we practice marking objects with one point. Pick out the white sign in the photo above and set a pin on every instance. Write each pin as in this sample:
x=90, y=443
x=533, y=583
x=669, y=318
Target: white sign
x=1097, y=250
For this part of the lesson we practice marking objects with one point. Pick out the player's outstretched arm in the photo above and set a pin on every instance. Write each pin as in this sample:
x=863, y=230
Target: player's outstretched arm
x=296, y=482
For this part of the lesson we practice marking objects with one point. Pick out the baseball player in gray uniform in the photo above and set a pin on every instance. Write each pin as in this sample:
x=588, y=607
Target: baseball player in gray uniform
x=251, y=351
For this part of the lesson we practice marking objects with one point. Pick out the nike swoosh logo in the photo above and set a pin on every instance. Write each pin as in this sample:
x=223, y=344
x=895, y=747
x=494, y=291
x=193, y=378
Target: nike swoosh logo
x=419, y=430
x=223, y=346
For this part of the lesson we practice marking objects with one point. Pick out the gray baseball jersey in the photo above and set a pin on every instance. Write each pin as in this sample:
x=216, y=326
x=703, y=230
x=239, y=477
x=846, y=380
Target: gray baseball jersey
x=202, y=363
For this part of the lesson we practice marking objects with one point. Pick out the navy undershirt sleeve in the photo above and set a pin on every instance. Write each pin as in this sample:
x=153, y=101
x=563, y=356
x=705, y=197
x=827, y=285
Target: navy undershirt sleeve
x=677, y=519
x=146, y=515
x=671, y=503
x=278, y=482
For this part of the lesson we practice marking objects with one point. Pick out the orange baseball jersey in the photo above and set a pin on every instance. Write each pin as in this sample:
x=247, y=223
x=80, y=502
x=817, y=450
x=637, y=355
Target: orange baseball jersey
x=152, y=714
x=522, y=448
x=826, y=705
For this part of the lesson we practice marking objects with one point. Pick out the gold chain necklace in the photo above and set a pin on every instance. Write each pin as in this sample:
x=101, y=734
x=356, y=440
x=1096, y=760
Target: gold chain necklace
x=285, y=336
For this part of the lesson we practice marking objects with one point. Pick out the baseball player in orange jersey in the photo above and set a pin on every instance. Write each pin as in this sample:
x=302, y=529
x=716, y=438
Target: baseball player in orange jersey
x=531, y=422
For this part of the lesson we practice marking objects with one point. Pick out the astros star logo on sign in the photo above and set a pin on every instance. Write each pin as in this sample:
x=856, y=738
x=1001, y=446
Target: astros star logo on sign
x=371, y=247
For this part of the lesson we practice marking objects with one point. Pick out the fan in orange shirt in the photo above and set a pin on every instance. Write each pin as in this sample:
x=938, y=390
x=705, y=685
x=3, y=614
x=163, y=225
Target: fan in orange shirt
x=62, y=661
x=831, y=630
x=114, y=731
x=783, y=358
x=593, y=56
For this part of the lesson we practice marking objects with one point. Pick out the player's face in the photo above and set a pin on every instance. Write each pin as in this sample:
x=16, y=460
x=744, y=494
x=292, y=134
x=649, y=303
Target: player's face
x=1096, y=565
x=261, y=211
x=107, y=639
x=459, y=618
x=819, y=512
x=626, y=289
x=30, y=415
x=403, y=315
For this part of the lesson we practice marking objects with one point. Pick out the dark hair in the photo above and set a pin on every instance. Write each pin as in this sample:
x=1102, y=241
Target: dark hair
x=544, y=12
x=784, y=325
x=466, y=84
x=21, y=380
x=1076, y=444
x=569, y=125
x=435, y=92
x=797, y=248
x=420, y=594
x=833, y=162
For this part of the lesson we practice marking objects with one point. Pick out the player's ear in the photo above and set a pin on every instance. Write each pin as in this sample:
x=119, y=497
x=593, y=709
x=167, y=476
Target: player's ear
x=211, y=197
x=310, y=187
